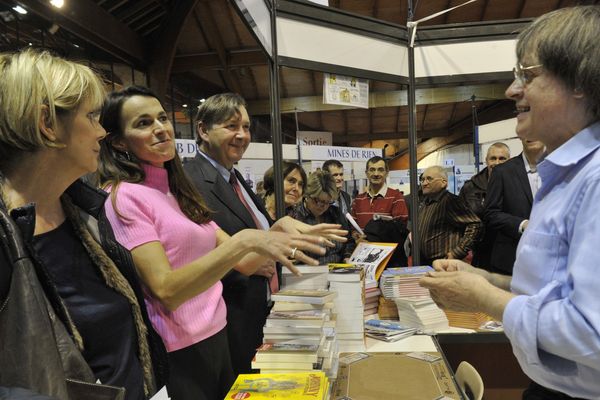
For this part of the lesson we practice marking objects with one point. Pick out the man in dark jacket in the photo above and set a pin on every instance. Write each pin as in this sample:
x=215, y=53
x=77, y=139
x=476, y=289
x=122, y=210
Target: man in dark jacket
x=474, y=190
x=508, y=204
x=473, y=194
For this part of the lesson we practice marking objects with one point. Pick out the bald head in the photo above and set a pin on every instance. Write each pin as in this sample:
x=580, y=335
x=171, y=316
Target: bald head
x=434, y=180
x=497, y=153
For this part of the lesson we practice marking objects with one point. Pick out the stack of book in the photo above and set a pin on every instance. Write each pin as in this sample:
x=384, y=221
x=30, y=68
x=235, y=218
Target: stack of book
x=297, y=386
x=299, y=320
x=371, y=302
x=286, y=357
x=388, y=331
x=421, y=313
x=349, y=283
x=313, y=278
x=468, y=320
x=403, y=282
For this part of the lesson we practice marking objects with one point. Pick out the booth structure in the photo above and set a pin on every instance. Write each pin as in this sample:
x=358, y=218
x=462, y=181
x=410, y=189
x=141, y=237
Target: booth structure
x=299, y=34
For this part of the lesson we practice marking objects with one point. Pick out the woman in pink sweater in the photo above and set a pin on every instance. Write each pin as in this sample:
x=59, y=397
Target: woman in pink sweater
x=179, y=253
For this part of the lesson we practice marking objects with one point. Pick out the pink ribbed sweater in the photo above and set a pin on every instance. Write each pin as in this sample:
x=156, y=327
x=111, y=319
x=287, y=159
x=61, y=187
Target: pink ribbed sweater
x=153, y=214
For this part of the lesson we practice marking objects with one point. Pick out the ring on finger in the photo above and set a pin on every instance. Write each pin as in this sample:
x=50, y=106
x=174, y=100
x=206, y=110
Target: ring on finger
x=293, y=255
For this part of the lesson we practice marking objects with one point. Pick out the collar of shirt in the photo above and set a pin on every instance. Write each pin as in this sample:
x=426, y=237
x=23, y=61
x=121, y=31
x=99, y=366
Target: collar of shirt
x=225, y=173
x=571, y=152
x=528, y=167
x=381, y=192
x=434, y=198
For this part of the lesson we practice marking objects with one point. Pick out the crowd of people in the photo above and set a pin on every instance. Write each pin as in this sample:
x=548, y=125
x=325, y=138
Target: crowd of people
x=123, y=270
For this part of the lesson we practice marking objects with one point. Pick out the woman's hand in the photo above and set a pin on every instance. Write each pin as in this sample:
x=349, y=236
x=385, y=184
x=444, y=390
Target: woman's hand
x=282, y=247
x=328, y=232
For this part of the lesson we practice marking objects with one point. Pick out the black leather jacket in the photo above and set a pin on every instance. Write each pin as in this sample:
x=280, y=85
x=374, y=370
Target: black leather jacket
x=91, y=203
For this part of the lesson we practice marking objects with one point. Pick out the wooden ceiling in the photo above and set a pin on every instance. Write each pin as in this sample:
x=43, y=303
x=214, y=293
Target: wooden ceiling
x=202, y=47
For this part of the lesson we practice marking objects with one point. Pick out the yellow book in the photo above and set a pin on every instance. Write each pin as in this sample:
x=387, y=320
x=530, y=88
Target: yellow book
x=296, y=386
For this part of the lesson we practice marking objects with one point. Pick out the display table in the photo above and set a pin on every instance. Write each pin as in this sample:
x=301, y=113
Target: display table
x=391, y=371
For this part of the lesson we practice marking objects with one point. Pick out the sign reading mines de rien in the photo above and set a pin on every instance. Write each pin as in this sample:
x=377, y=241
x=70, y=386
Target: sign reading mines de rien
x=343, y=153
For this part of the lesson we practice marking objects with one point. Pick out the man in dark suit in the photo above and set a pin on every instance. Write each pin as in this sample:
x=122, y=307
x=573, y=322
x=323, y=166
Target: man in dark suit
x=510, y=194
x=223, y=136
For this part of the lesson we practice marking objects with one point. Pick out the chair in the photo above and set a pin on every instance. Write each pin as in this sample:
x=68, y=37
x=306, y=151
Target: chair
x=469, y=381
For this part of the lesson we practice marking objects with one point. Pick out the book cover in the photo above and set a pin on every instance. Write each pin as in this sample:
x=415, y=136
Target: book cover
x=304, y=296
x=287, y=352
x=296, y=386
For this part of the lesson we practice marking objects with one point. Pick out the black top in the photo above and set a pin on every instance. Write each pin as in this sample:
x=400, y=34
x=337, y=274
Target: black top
x=111, y=350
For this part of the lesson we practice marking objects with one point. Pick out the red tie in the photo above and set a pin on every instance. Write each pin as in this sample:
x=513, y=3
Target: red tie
x=274, y=281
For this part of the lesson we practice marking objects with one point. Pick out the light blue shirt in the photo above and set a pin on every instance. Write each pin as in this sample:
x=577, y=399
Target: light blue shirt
x=554, y=322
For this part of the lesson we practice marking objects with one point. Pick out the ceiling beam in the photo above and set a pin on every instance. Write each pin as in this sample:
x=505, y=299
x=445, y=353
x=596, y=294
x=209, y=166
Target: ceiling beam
x=206, y=23
x=393, y=98
x=90, y=22
x=210, y=60
x=356, y=137
x=164, y=44
x=425, y=148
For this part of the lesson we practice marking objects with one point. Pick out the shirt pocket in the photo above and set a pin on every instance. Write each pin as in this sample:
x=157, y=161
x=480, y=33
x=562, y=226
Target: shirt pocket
x=539, y=256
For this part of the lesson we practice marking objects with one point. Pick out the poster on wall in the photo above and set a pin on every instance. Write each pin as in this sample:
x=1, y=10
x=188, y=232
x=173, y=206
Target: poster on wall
x=345, y=91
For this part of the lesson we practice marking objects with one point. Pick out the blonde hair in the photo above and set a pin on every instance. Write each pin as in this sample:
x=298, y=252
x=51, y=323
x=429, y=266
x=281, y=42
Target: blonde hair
x=30, y=80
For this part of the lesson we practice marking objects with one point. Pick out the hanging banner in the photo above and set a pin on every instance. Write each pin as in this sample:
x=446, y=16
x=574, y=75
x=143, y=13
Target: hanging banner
x=339, y=153
x=314, y=138
x=186, y=147
x=345, y=91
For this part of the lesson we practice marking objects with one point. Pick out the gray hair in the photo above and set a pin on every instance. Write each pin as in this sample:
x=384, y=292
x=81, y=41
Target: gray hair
x=439, y=170
x=565, y=41
x=499, y=145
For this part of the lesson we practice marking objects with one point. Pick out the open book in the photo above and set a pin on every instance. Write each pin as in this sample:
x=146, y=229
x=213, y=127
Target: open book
x=372, y=257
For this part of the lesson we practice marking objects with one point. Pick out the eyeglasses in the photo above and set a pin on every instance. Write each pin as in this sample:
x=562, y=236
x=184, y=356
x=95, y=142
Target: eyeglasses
x=523, y=75
x=321, y=203
x=428, y=179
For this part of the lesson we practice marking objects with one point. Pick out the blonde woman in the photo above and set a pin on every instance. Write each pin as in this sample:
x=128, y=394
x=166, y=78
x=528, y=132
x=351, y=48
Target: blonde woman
x=71, y=310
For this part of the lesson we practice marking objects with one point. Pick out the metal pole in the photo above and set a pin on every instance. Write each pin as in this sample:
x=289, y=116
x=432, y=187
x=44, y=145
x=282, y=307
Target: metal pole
x=412, y=143
x=298, y=145
x=174, y=122
x=276, y=137
x=475, y=133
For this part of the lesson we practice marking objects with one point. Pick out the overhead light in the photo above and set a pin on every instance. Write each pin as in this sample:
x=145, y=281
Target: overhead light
x=202, y=100
x=31, y=44
x=75, y=45
x=184, y=105
x=20, y=10
x=53, y=29
x=57, y=3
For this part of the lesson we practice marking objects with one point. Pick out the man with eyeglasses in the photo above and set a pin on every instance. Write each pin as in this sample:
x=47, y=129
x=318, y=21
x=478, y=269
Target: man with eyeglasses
x=379, y=201
x=447, y=227
x=511, y=191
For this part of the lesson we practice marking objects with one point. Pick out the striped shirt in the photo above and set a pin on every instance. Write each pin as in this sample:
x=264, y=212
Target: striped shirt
x=446, y=225
x=365, y=206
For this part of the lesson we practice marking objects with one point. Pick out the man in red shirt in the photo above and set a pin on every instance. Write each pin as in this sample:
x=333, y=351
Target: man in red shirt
x=379, y=201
